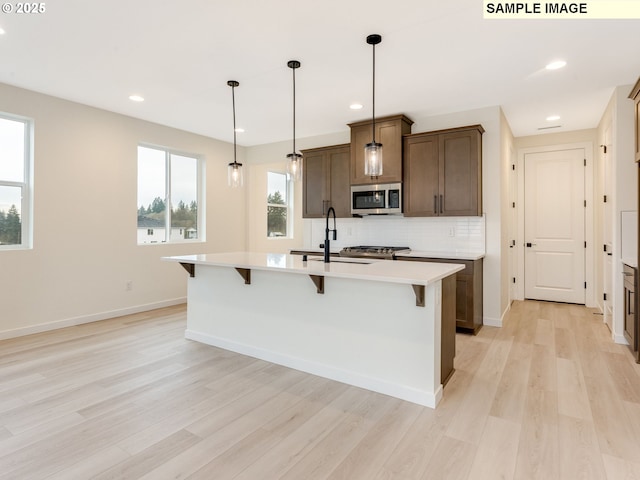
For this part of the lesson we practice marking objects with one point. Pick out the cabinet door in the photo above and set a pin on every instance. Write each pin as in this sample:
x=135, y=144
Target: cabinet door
x=638, y=129
x=460, y=173
x=315, y=193
x=340, y=191
x=421, y=176
x=389, y=133
x=464, y=301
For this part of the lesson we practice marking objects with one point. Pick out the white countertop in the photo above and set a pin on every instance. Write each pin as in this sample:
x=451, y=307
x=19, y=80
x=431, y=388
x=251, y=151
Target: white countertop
x=415, y=273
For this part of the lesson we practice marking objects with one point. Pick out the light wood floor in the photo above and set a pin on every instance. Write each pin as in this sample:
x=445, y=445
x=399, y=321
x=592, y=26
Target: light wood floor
x=547, y=396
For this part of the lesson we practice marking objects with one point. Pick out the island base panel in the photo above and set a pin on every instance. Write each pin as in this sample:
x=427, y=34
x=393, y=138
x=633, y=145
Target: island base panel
x=364, y=333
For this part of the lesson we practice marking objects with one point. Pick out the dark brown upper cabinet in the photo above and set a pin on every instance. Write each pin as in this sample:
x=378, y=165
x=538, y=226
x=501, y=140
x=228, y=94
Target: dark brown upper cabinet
x=443, y=173
x=389, y=132
x=635, y=96
x=325, y=177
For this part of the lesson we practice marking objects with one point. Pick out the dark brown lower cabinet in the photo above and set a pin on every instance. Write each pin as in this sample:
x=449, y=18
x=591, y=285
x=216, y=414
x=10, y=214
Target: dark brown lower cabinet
x=630, y=282
x=468, y=292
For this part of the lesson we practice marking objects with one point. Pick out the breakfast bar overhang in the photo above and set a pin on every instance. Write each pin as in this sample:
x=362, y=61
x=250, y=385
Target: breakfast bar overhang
x=387, y=326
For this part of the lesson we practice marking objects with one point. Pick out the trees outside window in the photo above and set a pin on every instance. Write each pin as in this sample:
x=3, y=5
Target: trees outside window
x=278, y=207
x=15, y=182
x=168, y=196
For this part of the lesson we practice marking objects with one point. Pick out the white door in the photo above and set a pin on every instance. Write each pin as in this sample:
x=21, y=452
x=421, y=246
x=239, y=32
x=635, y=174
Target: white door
x=554, y=226
x=607, y=232
x=512, y=228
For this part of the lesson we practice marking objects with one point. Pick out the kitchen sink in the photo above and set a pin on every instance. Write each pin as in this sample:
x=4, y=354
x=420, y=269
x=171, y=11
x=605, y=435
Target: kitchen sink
x=339, y=260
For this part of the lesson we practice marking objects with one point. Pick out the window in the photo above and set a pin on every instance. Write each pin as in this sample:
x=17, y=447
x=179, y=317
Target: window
x=278, y=204
x=168, y=196
x=15, y=182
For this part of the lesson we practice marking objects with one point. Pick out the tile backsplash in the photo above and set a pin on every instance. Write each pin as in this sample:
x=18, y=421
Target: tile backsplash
x=439, y=234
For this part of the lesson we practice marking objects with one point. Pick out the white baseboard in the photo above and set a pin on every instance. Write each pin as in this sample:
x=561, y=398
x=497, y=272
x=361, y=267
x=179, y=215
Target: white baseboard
x=95, y=317
x=492, y=322
x=496, y=322
x=327, y=371
x=620, y=339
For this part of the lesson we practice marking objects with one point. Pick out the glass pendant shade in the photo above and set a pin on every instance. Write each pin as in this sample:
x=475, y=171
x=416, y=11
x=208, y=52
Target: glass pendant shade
x=234, y=175
x=294, y=166
x=373, y=159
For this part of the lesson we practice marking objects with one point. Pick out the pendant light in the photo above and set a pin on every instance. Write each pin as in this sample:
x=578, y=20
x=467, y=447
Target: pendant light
x=294, y=163
x=373, y=150
x=234, y=170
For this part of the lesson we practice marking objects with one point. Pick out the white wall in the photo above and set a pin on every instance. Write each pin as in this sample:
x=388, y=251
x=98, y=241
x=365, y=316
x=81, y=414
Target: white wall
x=85, y=214
x=272, y=157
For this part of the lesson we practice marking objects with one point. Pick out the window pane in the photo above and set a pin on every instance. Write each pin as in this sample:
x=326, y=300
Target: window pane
x=276, y=204
x=151, y=195
x=10, y=216
x=277, y=187
x=12, y=150
x=184, y=195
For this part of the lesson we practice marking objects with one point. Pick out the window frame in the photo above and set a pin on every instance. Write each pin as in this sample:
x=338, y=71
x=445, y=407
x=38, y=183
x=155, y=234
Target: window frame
x=200, y=194
x=288, y=206
x=26, y=186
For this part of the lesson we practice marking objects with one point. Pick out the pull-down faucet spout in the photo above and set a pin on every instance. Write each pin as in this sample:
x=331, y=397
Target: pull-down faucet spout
x=327, y=252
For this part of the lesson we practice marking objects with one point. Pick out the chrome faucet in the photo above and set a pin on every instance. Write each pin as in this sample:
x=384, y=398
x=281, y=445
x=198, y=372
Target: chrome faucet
x=327, y=253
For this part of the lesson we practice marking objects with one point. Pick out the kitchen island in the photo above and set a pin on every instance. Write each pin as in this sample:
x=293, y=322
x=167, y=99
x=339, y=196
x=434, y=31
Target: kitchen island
x=384, y=326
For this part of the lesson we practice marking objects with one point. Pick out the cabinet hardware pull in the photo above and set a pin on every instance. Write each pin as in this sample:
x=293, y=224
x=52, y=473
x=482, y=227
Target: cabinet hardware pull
x=435, y=204
x=441, y=205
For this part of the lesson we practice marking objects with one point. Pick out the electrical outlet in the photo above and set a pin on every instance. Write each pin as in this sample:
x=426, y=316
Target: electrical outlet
x=128, y=286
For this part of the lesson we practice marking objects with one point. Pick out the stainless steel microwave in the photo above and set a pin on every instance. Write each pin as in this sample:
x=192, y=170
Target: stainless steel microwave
x=381, y=199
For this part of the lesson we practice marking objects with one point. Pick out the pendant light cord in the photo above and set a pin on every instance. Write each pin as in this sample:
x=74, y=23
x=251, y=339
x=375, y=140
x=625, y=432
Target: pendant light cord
x=294, y=112
x=373, y=123
x=233, y=99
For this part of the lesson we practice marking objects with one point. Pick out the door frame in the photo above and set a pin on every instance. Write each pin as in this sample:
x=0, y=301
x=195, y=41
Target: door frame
x=588, y=219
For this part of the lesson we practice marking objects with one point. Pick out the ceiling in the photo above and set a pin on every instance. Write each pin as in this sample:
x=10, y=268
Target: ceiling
x=436, y=57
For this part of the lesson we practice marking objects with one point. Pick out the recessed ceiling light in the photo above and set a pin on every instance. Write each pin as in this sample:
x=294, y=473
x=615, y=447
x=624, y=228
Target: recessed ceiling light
x=555, y=65
x=136, y=98
x=240, y=130
x=355, y=106
x=553, y=118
